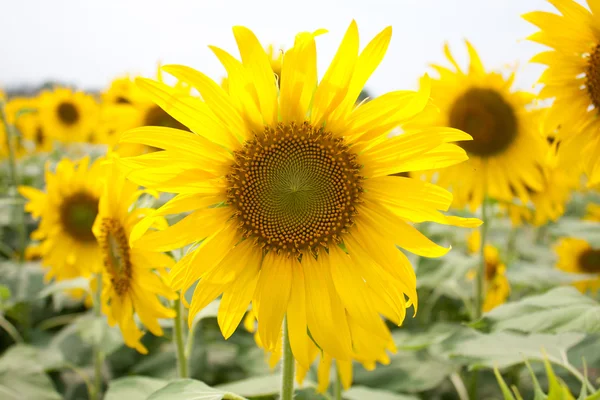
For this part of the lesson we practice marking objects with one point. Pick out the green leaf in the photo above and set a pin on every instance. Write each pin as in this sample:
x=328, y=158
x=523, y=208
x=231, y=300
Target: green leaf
x=503, y=386
x=363, y=392
x=578, y=228
x=133, y=388
x=541, y=277
x=95, y=331
x=22, y=375
x=25, y=281
x=504, y=349
x=62, y=286
x=254, y=387
x=538, y=393
x=562, y=309
x=189, y=389
x=411, y=340
x=557, y=389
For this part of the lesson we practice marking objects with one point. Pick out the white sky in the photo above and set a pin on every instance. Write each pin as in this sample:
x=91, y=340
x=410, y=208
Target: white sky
x=90, y=42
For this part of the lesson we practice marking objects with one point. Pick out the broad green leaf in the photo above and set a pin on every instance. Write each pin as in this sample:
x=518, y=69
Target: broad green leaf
x=133, y=388
x=363, y=392
x=504, y=349
x=503, y=386
x=25, y=281
x=22, y=374
x=254, y=387
x=61, y=286
x=95, y=331
x=416, y=340
x=562, y=309
x=189, y=389
x=408, y=372
x=578, y=228
x=539, y=277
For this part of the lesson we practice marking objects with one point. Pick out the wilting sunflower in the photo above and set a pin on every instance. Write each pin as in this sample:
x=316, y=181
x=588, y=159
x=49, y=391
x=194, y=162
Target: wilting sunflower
x=497, y=287
x=578, y=256
x=572, y=78
x=67, y=210
x=506, y=149
x=368, y=350
x=290, y=194
x=132, y=278
x=71, y=116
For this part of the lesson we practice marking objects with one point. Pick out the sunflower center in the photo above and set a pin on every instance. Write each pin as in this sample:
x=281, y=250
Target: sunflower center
x=484, y=114
x=68, y=113
x=156, y=116
x=295, y=188
x=592, y=77
x=122, y=100
x=77, y=214
x=589, y=261
x=491, y=268
x=39, y=136
x=115, y=249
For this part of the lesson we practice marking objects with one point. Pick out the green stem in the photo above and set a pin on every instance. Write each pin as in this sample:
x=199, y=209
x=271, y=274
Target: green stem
x=12, y=170
x=178, y=337
x=287, y=373
x=480, y=280
x=96, y=393
x=459, y=385
x=337, y=387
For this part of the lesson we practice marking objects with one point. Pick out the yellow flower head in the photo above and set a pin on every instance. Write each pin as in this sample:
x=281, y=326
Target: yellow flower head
x=290, y=195
x=572, y=78
x=593, y=212
x=68, y=115
x=547, y=204
x=506, y=149
x=131, y=278
x=497, y=287
x=25, y=115
x=578, y=256
x=67, y=210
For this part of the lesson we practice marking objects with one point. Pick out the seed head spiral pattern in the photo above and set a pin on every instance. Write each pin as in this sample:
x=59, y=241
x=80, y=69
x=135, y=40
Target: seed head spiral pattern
x=592, y=77
x=294, y=188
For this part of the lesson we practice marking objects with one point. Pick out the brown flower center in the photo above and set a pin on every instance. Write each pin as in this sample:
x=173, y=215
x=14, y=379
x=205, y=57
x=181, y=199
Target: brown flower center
x=122, y=100
x=115, y=250
x=486, y=116
x=40, y=138
x=77, y=215
x=491, y=269
x=68, y=113
x=589, y=261
x=592, y=77
x=295, y=188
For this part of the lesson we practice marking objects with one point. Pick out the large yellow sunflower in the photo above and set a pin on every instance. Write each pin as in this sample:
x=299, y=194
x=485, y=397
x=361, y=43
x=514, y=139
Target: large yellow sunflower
x=572, y=78
x=290, y=193
x=506, y=150
x=67, y=210
x=71, y=116
x=497, y=287
x=275, y=59
x=132, y=278
x=578, y=256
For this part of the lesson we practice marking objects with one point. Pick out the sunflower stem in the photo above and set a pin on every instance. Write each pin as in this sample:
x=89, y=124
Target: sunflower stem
x=287, y=373
x=480, y=281
x=178, y=337
x=337, y=387
x=12, y=170
x=96, y=393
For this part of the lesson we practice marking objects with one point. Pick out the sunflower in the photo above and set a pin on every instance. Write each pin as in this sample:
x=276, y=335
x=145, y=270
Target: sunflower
x=28, y=122
x=572, y=78
x=132, y=278
x=549, y=203
x=497, y=287
x=367, y=350
x=71, y=116
x=275, y=56
x=593, y=212
x=67, y=210
x=578, y=256
x=506, y=148
x=290, y=194
x=125, y=107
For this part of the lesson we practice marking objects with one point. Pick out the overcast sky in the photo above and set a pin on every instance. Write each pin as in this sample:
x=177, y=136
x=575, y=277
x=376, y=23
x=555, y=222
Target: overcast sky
x=90, y=42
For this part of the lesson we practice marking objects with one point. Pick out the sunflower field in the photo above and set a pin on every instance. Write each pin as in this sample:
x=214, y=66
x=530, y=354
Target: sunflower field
x=278, y=232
